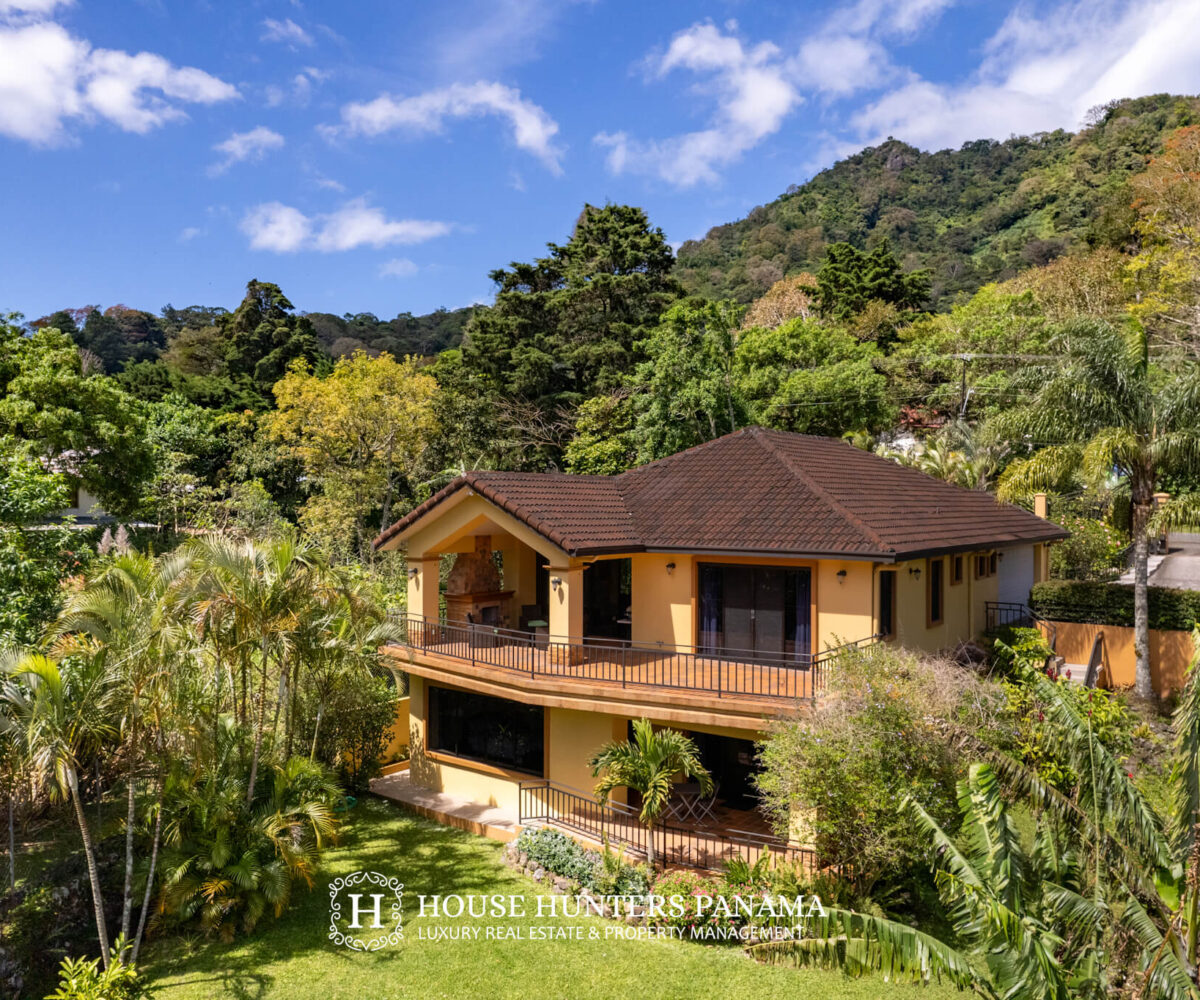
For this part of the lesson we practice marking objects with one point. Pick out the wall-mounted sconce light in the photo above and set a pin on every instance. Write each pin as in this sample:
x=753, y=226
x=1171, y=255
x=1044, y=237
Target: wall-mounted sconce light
x=914, y=571
x=1000, y=555
x=841, y=575
x=670, y=568
x=412, y=572
x=556, y=582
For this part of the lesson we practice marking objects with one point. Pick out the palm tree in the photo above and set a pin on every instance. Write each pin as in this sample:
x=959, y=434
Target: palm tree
x=259, y=592
x=1040, y=925
x=1105, y=408
x=57, y=714
x=647, y=764
x=126, y=614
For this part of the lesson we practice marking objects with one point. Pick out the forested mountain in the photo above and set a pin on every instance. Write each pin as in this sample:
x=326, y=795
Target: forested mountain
x=973, y=215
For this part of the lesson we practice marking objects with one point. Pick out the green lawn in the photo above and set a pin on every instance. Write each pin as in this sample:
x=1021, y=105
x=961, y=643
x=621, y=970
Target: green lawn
x=291, y=957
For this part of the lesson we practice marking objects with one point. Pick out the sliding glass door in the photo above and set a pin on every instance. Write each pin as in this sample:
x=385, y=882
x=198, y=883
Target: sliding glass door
x=764, y=611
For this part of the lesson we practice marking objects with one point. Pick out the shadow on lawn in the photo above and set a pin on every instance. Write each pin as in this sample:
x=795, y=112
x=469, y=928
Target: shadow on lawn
x=380, y=836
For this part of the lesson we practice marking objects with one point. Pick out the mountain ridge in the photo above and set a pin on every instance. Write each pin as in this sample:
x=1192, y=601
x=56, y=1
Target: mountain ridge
x=980, y=213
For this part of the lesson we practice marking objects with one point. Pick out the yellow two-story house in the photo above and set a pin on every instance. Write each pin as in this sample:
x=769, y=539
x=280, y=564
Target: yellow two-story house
x=708, y=591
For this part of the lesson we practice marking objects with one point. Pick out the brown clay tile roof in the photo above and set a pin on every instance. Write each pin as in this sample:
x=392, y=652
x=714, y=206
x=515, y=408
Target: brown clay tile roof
x=754, y=491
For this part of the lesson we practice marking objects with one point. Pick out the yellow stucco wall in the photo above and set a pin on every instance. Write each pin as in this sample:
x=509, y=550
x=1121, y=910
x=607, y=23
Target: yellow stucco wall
x=964, y=615
x=573, y=738
x=662, y=601
x=845, y=605
x=460, y=780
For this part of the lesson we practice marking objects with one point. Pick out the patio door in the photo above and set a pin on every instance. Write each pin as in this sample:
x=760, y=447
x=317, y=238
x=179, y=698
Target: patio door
x=762, y=610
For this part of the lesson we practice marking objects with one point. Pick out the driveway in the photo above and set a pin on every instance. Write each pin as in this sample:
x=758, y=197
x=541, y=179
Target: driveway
x=1179, y=567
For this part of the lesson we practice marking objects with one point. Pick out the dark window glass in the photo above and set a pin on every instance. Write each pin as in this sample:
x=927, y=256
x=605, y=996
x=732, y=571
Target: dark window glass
x=956, y=573
x=936, y=569
x=493, y=730
x=992, y=564
x=756, y=611
x=887, y=602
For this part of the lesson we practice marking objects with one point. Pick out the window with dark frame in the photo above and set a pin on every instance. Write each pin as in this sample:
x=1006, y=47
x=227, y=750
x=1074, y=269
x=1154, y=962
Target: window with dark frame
x=887, y=602
x=992, y=561
x=494, y=731
x=956, y=569
x=935, y=592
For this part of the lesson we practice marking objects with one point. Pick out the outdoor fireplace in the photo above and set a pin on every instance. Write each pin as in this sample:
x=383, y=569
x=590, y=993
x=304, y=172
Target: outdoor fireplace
x=473, y=591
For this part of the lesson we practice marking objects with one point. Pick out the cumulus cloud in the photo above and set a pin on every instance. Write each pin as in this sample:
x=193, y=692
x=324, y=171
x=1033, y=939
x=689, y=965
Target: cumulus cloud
x=1044, y=69
x=532, y=129
x=48, y=76
x=753, y=97
x=286, y=32
x=241, y=146
x=284, y=229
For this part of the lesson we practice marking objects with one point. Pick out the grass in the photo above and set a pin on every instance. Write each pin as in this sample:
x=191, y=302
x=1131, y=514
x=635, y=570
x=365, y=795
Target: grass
x=291, y=957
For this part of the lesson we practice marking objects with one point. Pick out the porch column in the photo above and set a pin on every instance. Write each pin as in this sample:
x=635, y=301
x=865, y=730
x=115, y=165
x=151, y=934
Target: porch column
x=520, y=576
x=566, y=608
x=423, y=590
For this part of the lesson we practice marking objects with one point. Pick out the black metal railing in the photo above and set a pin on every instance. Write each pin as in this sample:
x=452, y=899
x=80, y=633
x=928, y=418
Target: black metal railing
x=1000, y=614
x=719, y=672
x=548, y=802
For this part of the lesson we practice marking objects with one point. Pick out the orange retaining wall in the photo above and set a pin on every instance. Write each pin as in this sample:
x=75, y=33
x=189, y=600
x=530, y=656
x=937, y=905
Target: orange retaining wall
x=1170, y=653
x=400, y=736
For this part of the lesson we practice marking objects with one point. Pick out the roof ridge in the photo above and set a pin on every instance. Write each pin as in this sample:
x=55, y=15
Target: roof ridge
x=741, y=431
x=766, y=441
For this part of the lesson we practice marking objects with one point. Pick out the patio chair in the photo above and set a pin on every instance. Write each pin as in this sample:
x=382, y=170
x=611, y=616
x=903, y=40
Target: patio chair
x=682, y=803
x=702, y=809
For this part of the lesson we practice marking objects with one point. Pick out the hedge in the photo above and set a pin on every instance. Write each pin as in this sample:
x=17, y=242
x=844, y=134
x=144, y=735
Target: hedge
x=1112, y=604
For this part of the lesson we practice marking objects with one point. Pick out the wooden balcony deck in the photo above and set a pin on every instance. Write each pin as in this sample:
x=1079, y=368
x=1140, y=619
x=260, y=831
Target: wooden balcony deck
x=681, y=684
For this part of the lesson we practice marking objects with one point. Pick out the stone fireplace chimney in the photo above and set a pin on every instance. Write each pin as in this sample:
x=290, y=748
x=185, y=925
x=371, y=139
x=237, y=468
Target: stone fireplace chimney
x=473, y=591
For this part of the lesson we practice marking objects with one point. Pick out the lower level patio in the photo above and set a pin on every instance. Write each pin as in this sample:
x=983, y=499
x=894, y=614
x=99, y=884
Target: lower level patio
x=725, y=833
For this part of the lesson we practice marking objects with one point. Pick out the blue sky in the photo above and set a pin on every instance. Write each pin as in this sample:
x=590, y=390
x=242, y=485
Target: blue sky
x=381, y=157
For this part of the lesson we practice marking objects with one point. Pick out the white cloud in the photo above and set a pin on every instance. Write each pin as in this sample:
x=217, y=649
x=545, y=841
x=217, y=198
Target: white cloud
x=284, y=229
x=532, y=129
x=894, y=18
x=840, y=64
x=490, y=36
x=48, y=76
x=31, y=8
x=753, y=96
x=189, y=233
x=278, y=227
x=240, y=146
x=397, y=267
x=1042, y=70
x=286, y=32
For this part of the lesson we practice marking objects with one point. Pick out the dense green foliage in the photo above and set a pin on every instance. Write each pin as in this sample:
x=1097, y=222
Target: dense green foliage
x=973, y=215
x=885, y=731
x=1112, y=604
x=407, y=334
x=568, y=326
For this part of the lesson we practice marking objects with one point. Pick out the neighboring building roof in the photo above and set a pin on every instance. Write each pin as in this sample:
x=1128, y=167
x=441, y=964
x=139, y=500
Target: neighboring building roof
x=755, y=491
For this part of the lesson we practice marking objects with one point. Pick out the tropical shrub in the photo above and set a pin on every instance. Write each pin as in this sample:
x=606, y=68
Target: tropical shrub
x=1094, y=551
x=613, y=876
x=558, y=854
x=356, y=728
x=80, y=979
x=605, y=873
x=690, y=887
x=1038, y=743
x=889, y=726
x=227, y=863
